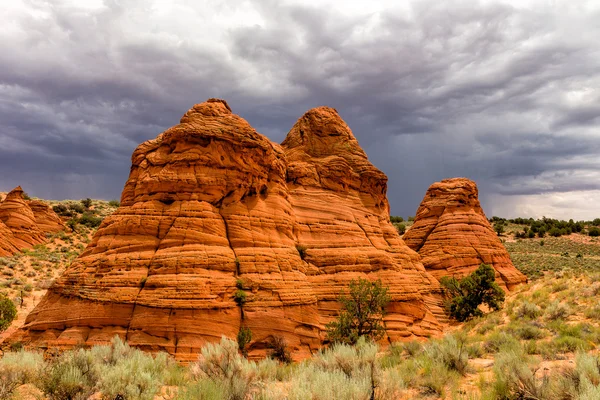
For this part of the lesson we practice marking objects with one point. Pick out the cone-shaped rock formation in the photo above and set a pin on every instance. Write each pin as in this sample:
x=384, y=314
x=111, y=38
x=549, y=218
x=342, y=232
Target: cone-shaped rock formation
x=19, y=218
x=453, y=236
x=24, y=223
x=220, y=228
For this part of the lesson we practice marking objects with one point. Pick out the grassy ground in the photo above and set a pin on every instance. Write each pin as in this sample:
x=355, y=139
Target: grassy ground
x=541, y=345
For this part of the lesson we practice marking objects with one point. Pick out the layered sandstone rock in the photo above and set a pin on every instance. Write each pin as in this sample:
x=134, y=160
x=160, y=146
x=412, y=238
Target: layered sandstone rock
x=18, y=217
x=45, y=218
x=453, y=236
x=7, y=240
x=212, y=208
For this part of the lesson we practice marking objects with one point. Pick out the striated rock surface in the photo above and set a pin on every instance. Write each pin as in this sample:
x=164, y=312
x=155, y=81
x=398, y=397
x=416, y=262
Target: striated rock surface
x=45, y=218
x=453, y=236
x=7, y=241
x=18, y=217
x=212, y=208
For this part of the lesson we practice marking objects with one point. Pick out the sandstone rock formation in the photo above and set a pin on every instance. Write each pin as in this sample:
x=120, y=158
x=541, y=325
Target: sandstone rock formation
x=45, y=218
x=18, y=217
x=7, y=240
x=220, y=228
x=453, y=236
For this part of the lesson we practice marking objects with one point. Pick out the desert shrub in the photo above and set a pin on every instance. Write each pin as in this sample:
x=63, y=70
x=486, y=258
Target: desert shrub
x=138, y=376
x=396, y=219
x=244, y=337
x=556, y=310
x=498, y=341
x=464, y=296
x=72, y=376
x=231, y=373
x=114, y=203
x=278, y=349
x=401, y=228
x=90, y=220
x=8, y=312
x=433, y=376
x=529, y=332
x=311, y=382
x=566, y=344
x=361, y=313
x=62, y=210
x=240, y=297
x=451, y=352
x=412, y=348
x=342, y=371
x=19, y=368
x=594, y=231
x=87, y=203
x=76, y=207
x=527, y=310
x=204, y=389
x=499, y=227
x=515, y=378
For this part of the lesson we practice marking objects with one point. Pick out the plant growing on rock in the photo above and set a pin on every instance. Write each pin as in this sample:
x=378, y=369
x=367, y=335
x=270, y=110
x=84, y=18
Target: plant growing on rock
x=361, y=314
x=464, y=296
x=244, y=337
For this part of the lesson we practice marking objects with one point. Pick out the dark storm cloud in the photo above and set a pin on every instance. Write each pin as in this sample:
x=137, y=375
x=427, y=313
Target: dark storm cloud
x=505, y=96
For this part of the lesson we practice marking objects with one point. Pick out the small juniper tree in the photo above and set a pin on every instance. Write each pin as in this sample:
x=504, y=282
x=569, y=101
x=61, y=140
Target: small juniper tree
x=244, y=337
x=361, y=314
x=465, y=295
x=8, y=312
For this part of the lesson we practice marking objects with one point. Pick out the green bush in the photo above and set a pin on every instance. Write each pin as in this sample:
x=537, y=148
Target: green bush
x=401, y=228
x=463, y=297
x=240, y=297
x=361, y=313
x=244, y=337
x=114, y=203
x=87, y=203
x=90, y=220
x=8, y=312
x=594, y=231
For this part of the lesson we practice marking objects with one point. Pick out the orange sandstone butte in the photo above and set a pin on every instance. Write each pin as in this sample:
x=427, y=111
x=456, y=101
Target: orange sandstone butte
x=25, y=223
x=220, y=228
x=453, y=236
x=19, y=219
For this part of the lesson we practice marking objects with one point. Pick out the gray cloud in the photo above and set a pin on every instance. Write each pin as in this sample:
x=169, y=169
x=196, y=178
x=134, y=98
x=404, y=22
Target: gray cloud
x=506, y=96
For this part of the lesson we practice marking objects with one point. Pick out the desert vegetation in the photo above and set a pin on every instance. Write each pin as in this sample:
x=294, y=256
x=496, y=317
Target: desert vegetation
x=540, y=345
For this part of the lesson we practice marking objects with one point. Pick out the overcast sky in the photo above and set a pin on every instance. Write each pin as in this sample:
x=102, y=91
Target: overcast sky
x=505, y=93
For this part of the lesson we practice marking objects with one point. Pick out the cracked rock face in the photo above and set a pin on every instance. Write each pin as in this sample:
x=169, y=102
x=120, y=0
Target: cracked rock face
x=453, y=236
x=23, y=224
x=220, y=228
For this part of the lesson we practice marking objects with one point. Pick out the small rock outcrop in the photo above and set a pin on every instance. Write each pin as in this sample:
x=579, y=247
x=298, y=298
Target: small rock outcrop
x=453, y=236
x=25, y=223
x=19, y=218
x=220, y=228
